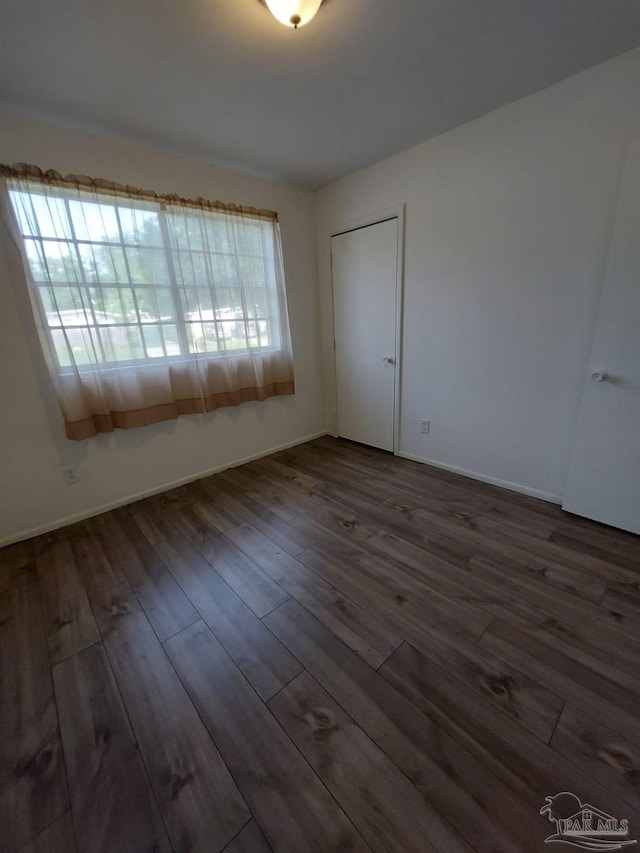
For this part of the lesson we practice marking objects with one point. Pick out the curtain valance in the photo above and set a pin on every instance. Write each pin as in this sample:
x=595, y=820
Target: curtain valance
x=26, y=171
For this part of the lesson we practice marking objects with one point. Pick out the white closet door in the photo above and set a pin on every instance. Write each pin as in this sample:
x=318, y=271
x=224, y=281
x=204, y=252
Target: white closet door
x=604, y=475
x=364, y=292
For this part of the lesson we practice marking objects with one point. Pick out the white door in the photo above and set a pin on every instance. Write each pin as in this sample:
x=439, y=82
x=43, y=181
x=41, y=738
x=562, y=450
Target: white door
x=604, y=475
x=364, y=298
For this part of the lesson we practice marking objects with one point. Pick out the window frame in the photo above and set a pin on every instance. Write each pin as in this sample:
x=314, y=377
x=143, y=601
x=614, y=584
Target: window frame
x=175, y=289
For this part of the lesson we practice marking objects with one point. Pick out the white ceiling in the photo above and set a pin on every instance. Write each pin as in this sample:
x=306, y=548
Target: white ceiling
x=223, y=81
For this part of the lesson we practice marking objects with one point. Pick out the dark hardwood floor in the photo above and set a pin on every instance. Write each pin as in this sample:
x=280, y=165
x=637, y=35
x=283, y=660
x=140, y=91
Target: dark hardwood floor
x=330, y=649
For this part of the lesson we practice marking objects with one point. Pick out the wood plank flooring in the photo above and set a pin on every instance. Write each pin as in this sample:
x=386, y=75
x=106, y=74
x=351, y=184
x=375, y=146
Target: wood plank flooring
x=329, y=649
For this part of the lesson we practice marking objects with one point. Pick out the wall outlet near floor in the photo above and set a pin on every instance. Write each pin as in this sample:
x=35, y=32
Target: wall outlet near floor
x=70, y=475
x=424, y=426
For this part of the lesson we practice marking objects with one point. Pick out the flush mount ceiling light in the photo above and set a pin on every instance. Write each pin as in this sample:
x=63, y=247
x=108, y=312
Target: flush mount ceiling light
x=293, y=13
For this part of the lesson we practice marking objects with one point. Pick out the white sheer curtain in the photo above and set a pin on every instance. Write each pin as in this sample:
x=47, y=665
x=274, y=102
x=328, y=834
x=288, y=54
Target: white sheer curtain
x=149, y=307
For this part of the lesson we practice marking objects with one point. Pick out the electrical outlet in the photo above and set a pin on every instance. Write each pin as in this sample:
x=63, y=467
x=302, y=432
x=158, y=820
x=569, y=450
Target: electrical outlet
x=424, y=426
x=70, y=475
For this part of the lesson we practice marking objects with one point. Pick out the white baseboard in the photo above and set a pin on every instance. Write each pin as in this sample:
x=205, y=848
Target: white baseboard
x=156, y=490
x=484, y=478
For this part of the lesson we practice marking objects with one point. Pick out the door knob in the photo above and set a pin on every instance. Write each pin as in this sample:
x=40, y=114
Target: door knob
x=599, y=375
x=388, y=360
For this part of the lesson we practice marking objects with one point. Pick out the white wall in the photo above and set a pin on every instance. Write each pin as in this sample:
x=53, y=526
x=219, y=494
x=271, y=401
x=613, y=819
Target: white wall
x=114, y=467
x=508, y=224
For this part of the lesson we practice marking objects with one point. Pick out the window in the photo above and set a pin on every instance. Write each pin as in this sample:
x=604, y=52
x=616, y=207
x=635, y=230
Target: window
x=125, y=284
x=148, y=307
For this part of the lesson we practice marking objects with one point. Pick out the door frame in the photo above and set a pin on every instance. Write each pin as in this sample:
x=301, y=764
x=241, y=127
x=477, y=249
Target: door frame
x=395, y=212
